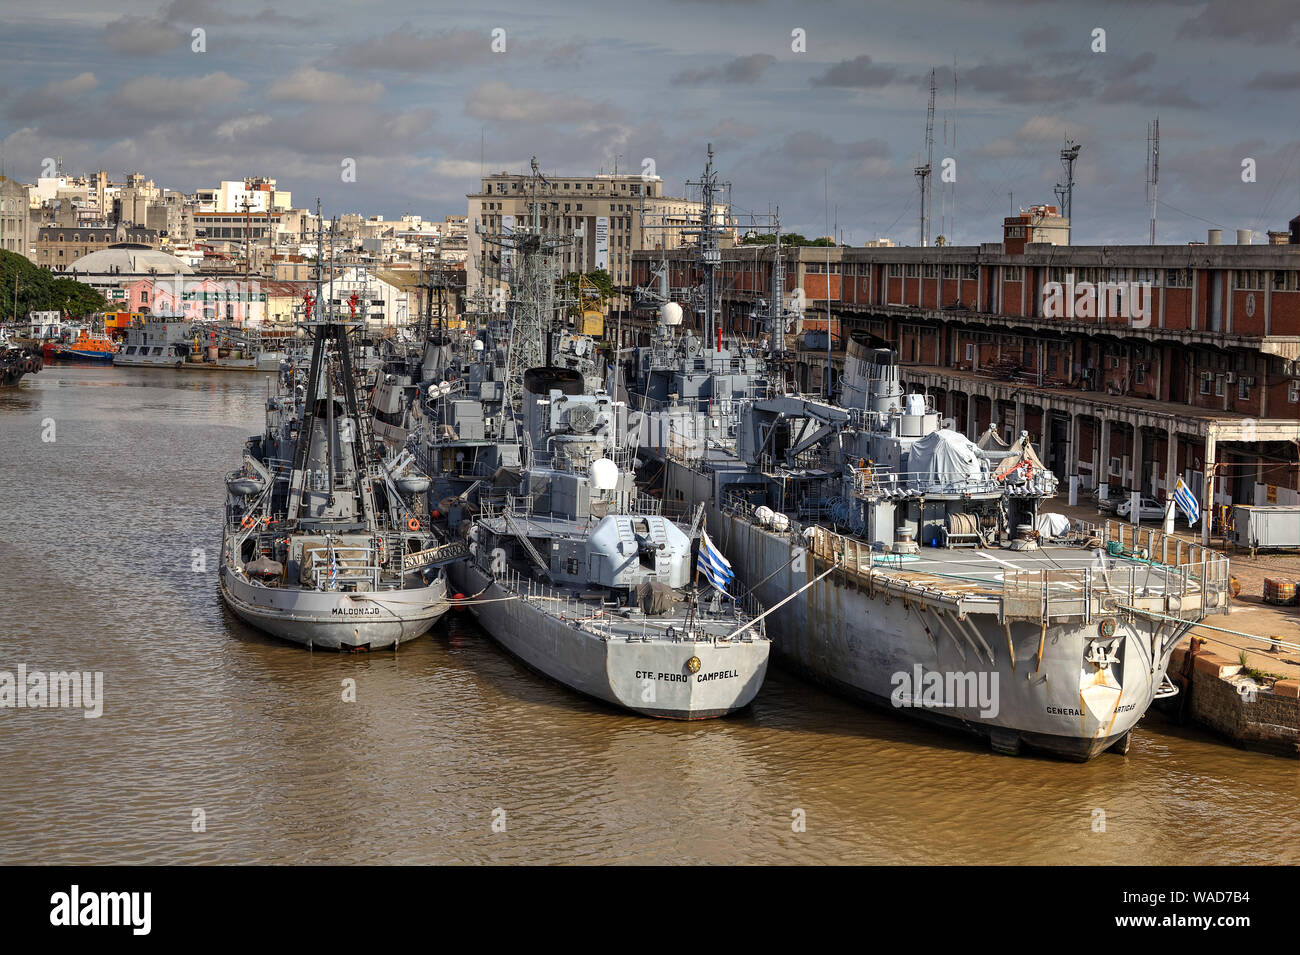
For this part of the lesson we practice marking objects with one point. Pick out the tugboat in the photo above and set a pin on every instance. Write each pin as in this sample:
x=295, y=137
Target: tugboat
x=591, y=585
x=326, y=542
x=16, y=361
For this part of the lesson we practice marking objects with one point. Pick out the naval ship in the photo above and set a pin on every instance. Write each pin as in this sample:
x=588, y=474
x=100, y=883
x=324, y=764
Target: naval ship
x=173, y=341
x=326, y=541
x=926, y=578
x=592, y=585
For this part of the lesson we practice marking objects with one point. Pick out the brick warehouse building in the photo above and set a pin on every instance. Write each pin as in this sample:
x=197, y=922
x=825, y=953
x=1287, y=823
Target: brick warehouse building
x=1208, y=377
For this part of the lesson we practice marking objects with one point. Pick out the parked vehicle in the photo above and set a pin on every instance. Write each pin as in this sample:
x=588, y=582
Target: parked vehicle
x=1150, y=509
x=1107, y=506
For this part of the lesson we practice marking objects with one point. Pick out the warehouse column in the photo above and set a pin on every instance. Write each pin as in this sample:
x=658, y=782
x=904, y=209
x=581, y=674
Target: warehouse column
x=1171, y=476
x=1207, y=498
x=1135, y=485
x=1103, y=461
x=1072, y=458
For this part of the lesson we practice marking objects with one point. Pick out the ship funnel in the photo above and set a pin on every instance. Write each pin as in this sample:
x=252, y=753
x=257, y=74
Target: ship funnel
x=871, y=375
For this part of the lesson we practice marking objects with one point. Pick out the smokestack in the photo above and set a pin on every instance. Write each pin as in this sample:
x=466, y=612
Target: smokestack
x=1215, y=237
x=1243, y=236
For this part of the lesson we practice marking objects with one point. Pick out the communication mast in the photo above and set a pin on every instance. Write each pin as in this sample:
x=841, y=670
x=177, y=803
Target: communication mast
x=922, y=173
x=1065, y=193
x=714, y=216
x=709, y=255
x=1153, y=170
x=528, y=262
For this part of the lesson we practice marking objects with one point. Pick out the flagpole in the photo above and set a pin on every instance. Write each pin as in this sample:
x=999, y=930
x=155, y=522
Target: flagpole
x=695, y=586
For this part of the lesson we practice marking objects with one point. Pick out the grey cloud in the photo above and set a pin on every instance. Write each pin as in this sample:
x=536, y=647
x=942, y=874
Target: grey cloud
x=816, y=145
x=1019, y=83
x=499, y=101
x=407, y=51
x=141, y=36
x=1275, y=80
x=1264, y=21
x=346, y=131
x=171, y=27
x=1133, y=91
x=1045, y=35
x=176, y=95
x=859, y=72
x=52, y=97
x=310, y=85
x=743, y=69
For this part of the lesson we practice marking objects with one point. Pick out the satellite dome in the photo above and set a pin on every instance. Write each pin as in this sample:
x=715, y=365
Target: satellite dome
x=604, y=474
x=670, y=313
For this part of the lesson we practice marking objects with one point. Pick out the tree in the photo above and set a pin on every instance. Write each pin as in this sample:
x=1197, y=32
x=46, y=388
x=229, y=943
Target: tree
x=787, y=238
x=39, y=290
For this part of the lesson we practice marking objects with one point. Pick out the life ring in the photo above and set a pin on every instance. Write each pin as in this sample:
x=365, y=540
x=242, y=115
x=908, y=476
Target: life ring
x=413, y=525
x=248, y=522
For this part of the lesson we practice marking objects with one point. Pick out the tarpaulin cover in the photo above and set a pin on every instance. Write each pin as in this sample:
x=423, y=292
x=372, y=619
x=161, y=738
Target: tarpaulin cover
x=944, y=457
x=990, y=440
x=654, y=598
x=1052, y=525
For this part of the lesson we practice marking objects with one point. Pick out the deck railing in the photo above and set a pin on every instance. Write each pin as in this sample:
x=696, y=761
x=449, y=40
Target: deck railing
x=1111, y=584
x=594, y=616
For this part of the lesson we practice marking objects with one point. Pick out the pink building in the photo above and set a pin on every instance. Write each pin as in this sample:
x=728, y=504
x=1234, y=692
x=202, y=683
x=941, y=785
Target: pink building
x=199, y=299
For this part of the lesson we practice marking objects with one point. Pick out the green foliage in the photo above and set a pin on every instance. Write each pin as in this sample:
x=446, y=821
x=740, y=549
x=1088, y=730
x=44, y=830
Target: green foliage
x=569, y=284
x=787, y=238
x=40, y=290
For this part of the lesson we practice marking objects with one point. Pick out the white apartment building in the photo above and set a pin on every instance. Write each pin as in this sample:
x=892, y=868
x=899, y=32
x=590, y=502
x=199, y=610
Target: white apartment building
x=608, y=217
x=382, y=304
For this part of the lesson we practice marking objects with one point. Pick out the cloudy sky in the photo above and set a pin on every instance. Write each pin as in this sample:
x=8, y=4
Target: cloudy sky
x=414, y=93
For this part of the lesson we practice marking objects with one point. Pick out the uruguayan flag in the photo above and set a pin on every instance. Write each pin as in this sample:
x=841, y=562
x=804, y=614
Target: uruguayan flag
x=1186, y=502
x=713, y=565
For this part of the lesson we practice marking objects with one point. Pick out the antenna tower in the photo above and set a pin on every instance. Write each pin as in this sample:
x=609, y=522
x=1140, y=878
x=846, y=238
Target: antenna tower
x=922, y=173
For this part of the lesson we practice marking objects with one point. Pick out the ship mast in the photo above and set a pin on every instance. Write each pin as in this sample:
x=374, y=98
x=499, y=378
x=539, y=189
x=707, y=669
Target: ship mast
x=530, y=257
x=709, y=256
x=327, y=327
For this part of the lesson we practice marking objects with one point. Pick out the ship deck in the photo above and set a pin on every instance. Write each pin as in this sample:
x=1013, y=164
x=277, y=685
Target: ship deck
x=1046, y=583
x=594, y=611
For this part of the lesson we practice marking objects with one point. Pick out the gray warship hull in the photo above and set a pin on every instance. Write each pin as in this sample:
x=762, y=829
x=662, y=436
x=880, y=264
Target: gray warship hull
x=336, y=620
x=650, y=677
x=875, y=635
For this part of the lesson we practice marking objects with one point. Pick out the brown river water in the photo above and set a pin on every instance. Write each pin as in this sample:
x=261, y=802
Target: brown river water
x=99, y=530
